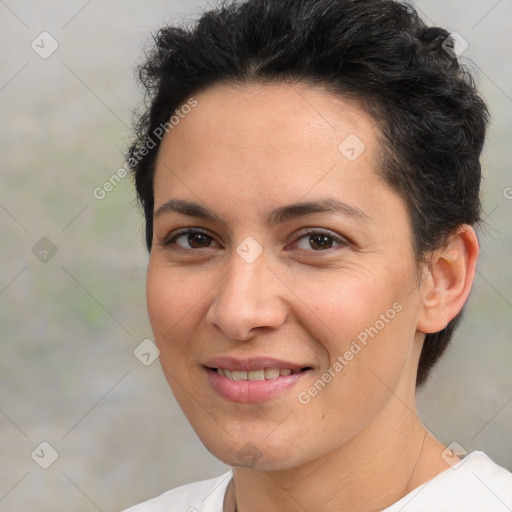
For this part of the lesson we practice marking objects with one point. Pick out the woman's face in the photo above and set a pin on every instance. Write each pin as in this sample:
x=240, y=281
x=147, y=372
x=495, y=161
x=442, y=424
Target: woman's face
x=261, y=288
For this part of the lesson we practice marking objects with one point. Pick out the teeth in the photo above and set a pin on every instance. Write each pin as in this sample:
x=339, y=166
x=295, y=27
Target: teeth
x=271, y=373
x=256, y=375
x=237, y=375
x=263, y=374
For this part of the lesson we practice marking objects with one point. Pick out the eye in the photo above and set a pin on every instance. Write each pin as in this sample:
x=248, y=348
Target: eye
x=320, y=241
x=313, y=240
x=194, y=238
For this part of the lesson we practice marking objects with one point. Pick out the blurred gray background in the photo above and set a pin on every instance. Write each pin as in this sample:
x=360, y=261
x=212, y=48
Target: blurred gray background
x=71, y=319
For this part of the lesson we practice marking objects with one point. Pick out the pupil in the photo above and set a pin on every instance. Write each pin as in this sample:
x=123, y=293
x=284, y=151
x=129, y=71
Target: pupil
x=324, y=239
x=193, y=237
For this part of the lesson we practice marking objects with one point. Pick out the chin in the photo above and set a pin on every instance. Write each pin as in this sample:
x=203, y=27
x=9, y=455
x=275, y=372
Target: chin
x=254, y=453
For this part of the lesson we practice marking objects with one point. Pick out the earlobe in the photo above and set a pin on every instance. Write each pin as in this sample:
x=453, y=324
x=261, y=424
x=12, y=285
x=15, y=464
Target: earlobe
x=450, y=274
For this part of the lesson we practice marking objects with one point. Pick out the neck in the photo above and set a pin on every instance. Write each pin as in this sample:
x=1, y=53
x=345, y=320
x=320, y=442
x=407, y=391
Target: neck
x=375, y=469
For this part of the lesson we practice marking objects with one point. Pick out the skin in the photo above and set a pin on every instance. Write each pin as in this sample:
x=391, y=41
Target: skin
x=243, y=151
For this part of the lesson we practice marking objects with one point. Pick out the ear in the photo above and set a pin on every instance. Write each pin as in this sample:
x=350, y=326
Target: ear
x=448, y=279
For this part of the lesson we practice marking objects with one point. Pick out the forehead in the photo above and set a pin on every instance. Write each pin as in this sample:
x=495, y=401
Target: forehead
x=229, y=116
x=289, y=135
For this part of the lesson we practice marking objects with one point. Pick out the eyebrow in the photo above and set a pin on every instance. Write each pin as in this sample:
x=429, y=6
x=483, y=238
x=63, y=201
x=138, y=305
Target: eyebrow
x=277, y=216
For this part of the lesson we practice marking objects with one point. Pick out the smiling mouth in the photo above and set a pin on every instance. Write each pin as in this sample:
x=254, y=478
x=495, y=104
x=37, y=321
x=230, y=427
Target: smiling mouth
x=257, y=375
x=255, y=380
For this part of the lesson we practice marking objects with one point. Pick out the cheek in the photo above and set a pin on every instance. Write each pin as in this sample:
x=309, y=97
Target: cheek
x=366, y=331
x=367, y=320
x=173, y=306
x=347, y=306
x=172, y=302
x=169, y=293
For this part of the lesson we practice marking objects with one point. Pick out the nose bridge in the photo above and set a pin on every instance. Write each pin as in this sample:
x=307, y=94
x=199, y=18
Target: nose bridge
x=245, y=298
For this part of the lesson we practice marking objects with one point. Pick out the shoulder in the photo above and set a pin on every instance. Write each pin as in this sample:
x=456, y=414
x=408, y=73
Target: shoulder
x=475, y=484
x=203, y=496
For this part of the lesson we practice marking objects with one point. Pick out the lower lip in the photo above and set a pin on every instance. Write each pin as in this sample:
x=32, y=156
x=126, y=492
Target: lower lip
x=252, y=391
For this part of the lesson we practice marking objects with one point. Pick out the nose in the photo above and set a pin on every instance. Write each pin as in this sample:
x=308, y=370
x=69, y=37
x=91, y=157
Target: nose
x=250, y=298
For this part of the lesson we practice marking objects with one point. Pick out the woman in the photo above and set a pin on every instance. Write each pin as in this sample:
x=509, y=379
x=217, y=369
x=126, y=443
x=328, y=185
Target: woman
x=309, y=207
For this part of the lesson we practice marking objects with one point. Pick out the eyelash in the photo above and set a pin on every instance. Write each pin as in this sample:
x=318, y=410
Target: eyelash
x=310, y=232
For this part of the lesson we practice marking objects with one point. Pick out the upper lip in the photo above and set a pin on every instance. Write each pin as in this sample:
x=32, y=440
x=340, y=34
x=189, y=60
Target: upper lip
x=252, y=363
